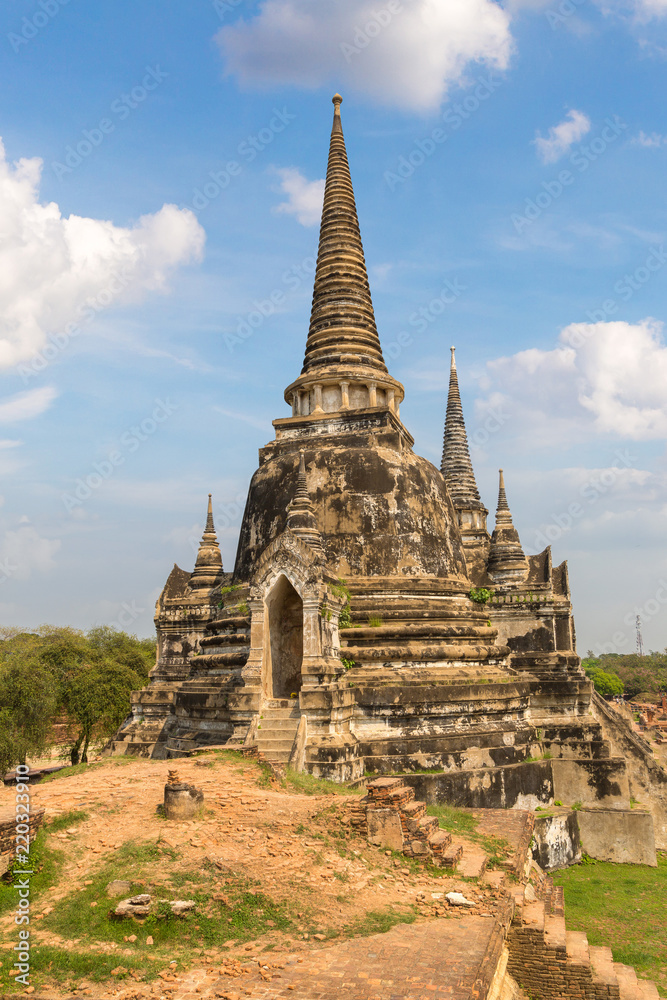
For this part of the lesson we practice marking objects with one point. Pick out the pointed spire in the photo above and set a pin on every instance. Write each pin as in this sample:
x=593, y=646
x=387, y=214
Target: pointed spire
x=342, y=320
x=456, y=465
x=301, y=518
x=209, y=516
x=502, y=496
x=208, y=567
x=302, y=494
x=507, y=560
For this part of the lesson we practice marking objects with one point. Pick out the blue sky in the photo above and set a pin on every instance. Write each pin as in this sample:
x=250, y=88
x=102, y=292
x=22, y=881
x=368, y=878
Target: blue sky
x=159, y=194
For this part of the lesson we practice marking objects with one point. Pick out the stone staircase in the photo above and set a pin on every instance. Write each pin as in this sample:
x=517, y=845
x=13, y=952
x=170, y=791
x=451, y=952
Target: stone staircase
x=392, y=818
x=550, y=962
x=276, y=729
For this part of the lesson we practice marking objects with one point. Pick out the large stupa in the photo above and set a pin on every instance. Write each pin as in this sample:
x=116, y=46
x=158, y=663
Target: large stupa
x=371, y=622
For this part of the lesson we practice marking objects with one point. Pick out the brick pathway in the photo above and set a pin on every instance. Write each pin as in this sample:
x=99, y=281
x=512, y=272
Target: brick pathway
x=452, y=959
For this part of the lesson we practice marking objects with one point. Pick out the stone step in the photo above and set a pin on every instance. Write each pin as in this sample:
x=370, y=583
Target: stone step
x=428, y=826
x=439, y=841
x=401, y=797
x=276, y=733
x=627, y=981
x=647, y=990
x=277, y=756
x=554, y=931
x=533, y=915
x=266, y=746
x=554, y=898
x=576, y=944
x=288, y=725
x=452, y=856
x=602, y=964
x=414, y=810
x=472, y=860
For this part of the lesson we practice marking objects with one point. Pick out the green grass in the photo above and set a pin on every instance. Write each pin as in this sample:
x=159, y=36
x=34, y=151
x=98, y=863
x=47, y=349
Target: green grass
x=45, y=863
x=378, y=922
x=66, y=820
x=462, y=822
x=622, y=907
x=73, y=966
x=68, y=772
x=244, y=914
x=453, y=819
x=306, y=784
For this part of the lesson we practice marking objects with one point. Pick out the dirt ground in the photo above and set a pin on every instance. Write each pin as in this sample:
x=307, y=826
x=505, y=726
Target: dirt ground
x=296, y=849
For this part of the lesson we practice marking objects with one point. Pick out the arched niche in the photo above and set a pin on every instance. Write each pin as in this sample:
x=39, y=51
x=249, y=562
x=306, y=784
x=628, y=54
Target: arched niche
x=284, y=645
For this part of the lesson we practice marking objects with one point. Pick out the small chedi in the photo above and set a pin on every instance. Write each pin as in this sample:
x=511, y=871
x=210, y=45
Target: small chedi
x=371, y=622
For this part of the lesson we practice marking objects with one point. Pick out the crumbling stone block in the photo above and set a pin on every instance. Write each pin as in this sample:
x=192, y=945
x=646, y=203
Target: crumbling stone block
x=181, y=800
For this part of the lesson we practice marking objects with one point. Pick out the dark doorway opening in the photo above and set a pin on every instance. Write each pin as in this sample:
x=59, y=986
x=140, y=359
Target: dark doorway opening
x=285, y=609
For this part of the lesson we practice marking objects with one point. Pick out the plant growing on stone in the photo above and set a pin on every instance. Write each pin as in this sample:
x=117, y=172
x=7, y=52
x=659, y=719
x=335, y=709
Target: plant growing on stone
x=227, y=590
x=347, y=663
x=375, y=621
x=480, y=595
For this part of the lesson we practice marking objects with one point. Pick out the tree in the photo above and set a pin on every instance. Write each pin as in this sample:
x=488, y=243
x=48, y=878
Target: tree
x=28, y=703
x=88, y=676
x=97, y=697
x=606, y=682
x=109, y=644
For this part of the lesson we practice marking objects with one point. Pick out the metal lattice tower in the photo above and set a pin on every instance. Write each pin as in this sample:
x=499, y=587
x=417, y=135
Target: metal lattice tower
x=640, y=641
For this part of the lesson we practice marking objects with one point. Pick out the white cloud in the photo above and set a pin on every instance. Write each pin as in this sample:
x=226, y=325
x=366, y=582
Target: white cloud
x=55, y=271
x=304, y=198
x=23, y=552
x=602, y=378
x=652, y=141
x=26, y=405
x=647, y=9
x=561, y=137
x=406, y=59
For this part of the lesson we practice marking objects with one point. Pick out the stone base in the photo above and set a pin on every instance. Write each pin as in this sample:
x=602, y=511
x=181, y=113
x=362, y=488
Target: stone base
x=182, y=801
x=623, y=836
